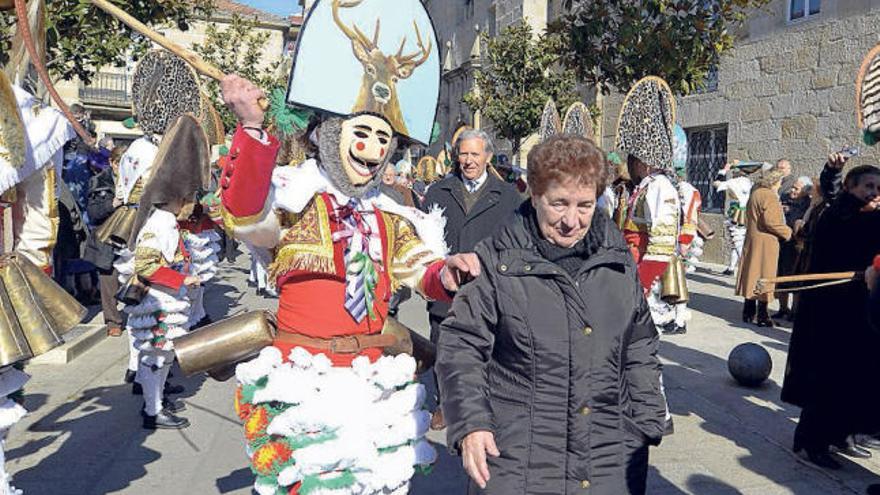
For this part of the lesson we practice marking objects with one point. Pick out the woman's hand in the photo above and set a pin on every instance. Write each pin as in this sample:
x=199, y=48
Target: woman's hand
x=459, y=269
x=837, y=160
x=474, y=448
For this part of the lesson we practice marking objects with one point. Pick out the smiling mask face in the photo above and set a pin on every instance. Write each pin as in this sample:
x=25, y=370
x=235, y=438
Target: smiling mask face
x=354, y=151
x=363, y=146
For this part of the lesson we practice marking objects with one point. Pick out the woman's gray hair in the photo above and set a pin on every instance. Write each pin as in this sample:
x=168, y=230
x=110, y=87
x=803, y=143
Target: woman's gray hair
x=805, y=181
x=488, y=146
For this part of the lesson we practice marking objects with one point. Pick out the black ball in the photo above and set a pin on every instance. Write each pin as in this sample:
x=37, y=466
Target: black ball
x=749, y=364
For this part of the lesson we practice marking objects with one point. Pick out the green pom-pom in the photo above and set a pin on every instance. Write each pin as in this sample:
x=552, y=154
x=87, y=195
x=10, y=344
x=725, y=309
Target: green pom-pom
x=223, y=150
x=869, y=138
x=286, y=119
x=129, y=123
x=614, y=158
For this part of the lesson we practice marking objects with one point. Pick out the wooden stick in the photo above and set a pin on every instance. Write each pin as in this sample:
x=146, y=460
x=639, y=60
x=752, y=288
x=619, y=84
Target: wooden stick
x=809, y=277
x=764, y=284
x=197, y=62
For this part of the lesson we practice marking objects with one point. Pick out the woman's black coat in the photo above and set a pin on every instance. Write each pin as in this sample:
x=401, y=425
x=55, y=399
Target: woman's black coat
x=832, y=357
x=563, y=370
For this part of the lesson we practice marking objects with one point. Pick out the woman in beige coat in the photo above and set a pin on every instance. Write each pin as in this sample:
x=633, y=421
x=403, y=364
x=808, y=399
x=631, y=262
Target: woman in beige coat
x=765, y=226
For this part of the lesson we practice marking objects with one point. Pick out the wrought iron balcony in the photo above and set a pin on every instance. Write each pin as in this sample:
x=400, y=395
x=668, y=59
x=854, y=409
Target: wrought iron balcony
x=107, y=89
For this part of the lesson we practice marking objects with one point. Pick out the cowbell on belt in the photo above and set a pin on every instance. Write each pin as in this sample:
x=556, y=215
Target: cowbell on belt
x=35, y=312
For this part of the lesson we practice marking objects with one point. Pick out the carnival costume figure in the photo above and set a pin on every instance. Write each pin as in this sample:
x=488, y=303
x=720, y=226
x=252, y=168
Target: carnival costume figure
x=645, y=135
x=162, y=262
x=690, y=244
x=324, y=410
x=737, y=187
x=34, y=311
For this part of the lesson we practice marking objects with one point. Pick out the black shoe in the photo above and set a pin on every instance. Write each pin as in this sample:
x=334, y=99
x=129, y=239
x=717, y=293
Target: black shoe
x=129, y=376
x=173, y=406
x=728, y=272
x=782, y=314
x=668, y=329
x=868, y=442
x=681, y=330
x=136, y=389
x=165, y=421
x=172, y=389
x=853, y=451
x=766, y=322
x=822, y=459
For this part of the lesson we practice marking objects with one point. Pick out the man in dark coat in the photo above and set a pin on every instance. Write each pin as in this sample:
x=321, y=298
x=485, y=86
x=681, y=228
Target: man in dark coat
x=832, y=368
x=475, y=203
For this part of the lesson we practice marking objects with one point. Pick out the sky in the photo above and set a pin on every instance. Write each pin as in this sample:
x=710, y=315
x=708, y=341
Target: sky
x=278, y=7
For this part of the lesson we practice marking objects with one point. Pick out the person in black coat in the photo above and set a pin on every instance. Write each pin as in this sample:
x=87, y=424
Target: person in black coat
x=832, y=366
x=548, y=360
x=475, y=203
x=100, y=205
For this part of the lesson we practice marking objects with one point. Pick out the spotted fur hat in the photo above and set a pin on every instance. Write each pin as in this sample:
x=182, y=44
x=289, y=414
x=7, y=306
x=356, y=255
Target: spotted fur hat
x=645, y=125
x=868, y=97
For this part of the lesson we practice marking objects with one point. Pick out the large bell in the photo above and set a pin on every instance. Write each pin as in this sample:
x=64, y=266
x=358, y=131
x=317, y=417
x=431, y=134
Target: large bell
x=13, y=344
x=42, y=310
x=61, y=310
x=217, y=347
x=674, y=285
x=410, y=342
x=116, y=230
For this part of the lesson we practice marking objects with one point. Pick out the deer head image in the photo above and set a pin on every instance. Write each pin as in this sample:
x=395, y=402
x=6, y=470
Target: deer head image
x=382, y=72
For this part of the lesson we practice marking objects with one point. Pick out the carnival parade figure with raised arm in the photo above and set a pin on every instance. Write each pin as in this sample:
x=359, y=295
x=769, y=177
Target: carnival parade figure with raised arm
x=323, y=408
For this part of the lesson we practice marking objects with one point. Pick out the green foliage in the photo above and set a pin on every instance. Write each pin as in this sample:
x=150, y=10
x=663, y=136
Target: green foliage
x=518, y=74
x=237, y=48
x=81, y=38
x=614, y=43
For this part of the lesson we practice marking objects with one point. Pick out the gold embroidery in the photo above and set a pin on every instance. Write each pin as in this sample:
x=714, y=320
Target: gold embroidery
x=307, y=244
x=231, y=221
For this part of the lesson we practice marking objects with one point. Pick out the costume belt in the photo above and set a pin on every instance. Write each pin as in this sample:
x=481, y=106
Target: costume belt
x=348, y=344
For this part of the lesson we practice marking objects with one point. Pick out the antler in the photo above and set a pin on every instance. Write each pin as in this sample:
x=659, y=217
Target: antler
x=353, y=33
x=423, y=52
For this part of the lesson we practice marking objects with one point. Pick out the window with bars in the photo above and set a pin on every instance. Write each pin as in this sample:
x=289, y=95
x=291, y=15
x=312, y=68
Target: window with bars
x=707, y=153
x=802, y=9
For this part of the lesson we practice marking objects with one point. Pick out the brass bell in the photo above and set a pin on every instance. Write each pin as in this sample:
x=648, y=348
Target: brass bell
x=116, y=230
x=41, y=309
x=217, y=347
x=62, y=310
x=674, y=285
x=13, y=344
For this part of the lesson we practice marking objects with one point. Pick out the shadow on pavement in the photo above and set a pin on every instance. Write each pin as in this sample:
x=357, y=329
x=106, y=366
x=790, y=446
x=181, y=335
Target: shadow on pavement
x=731, y=310
x=755, y=419
x=97, y=434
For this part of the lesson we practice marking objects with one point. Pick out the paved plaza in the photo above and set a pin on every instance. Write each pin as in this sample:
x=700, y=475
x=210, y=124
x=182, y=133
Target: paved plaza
x=83, y=434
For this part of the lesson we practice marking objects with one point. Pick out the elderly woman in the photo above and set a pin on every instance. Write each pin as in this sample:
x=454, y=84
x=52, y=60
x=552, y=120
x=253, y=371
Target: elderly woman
x=547, y=362
x=765, y=227
x=795, y=203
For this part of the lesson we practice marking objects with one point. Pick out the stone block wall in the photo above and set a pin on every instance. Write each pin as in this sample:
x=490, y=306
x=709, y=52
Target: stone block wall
x=788, y=93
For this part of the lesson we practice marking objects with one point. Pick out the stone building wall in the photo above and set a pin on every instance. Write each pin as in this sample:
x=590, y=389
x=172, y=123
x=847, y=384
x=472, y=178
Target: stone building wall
x=787, y=90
